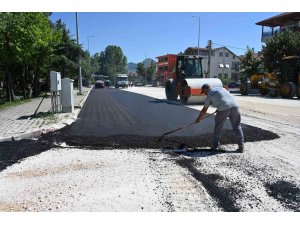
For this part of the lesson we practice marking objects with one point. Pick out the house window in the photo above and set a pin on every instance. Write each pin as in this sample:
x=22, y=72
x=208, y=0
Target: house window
x=204, y=53
x=165, y=68
x=221, y=54
x=226, y=65
x=226, y=54
x=166, y=59
x=235, y=66
x=160, y=59
x=161, y=68
x=226, y=75
x=221, y=65
x=220, y=75
x=233, y=56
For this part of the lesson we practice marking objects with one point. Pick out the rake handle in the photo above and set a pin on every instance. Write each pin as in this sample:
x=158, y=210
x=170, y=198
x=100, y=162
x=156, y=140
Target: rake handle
x=184, y=126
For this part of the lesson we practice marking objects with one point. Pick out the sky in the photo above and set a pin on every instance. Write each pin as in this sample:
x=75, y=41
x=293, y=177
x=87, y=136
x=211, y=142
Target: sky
x=144, y=35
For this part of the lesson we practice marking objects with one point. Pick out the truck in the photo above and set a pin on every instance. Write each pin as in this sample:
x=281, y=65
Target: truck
x=121, y=81
x=187, y=80
x=285, y=82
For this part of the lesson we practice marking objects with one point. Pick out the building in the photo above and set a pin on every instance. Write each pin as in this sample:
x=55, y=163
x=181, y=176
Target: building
x=223, y=62
x=279, y=23
x=165, y=67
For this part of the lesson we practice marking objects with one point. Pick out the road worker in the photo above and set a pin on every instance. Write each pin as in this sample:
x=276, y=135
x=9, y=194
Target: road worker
x=227, y=107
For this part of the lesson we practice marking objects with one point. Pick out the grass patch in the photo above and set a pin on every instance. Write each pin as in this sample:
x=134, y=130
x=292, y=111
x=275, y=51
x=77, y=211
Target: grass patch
x=50, y=118
x=6, y=105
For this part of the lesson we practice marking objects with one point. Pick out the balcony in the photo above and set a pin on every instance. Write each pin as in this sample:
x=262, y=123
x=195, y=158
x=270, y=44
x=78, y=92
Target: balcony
x=274, y=31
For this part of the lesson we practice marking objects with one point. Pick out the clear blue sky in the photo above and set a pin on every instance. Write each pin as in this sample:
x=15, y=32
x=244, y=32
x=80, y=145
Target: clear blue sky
x=147, y=35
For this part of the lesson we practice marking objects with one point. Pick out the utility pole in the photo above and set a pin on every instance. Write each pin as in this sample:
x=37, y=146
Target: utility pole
x=145, y=67
x=88, y=38
x=79, y=59
x=209, y=45
x=198, y=33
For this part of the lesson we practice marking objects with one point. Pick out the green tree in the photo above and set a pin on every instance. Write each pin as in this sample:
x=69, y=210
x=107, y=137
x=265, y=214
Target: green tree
x=151, y=71
x=141, y=70
x=25, y=44
x=112, y=61
x=250, y=64
x=286, y=43
x=31, y=46
x=66, y=53
x=9, y=44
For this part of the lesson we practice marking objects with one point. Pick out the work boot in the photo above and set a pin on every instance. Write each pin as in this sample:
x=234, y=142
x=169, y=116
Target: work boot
x=241, y=148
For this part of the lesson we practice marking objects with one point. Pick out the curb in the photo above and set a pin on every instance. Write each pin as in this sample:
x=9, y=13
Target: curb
x=84, y=99
x=38, y=133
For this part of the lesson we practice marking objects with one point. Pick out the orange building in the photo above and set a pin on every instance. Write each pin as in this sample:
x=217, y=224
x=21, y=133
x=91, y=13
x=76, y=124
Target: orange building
x=165, y=67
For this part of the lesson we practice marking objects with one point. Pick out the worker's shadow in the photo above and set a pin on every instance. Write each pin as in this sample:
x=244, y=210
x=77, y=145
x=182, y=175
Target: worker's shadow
x=197, y=152
x=38, y=115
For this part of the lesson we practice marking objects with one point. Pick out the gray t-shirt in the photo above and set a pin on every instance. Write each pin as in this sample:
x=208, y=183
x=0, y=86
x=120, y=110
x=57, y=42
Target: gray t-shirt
x=220, y=98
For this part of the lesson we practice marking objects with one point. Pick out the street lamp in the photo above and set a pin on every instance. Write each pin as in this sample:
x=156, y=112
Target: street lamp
x=198, y=33
x=79, y=60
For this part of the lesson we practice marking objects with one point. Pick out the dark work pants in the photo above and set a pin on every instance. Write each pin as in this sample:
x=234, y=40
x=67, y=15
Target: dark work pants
x=235, y=119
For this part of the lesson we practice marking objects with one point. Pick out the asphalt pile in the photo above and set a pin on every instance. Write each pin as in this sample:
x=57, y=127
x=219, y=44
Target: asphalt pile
x=125, y=141
x=13, y=151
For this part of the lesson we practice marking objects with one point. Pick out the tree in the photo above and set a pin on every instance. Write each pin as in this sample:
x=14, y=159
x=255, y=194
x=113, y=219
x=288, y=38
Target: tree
x=250, y=64
x=151, y=71
x=66, y=53
x=286, y=43
x=112, y=61
x=30, y=47
x=9, y=38
x=140, y=70
x=25, y=43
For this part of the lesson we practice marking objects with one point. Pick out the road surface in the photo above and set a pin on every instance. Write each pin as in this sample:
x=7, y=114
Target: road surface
x=72, y=171
x=132, y=120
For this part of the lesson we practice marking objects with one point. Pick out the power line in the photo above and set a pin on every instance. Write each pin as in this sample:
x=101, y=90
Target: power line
x=229, y=46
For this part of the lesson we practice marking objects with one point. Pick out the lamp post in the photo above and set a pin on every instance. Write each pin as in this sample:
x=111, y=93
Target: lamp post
x=198, y=33
x=79, y=60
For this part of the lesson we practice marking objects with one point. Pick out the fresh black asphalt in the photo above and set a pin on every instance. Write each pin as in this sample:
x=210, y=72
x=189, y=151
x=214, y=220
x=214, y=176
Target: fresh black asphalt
x=114, y=118
x=110, y=111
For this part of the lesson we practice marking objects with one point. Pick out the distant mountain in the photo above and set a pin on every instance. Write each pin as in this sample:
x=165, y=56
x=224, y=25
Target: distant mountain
x=148, y=62
x=132, y=66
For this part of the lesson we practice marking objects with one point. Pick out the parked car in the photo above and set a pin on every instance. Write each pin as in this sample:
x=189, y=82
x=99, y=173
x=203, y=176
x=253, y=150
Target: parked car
x=99, y=84
x=138, y=83
x=234, y=85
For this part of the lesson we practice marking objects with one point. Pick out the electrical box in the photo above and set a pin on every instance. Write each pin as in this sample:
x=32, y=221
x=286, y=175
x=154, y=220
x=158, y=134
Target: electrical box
x=55, y=80
x=67, y=99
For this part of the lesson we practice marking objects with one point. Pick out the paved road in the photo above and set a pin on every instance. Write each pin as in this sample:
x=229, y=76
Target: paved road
x=113, y=111
x=264, y=178
x=120, y=119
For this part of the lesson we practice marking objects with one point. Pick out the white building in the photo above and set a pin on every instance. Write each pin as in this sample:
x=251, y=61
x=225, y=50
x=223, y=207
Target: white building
x=223, y=63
